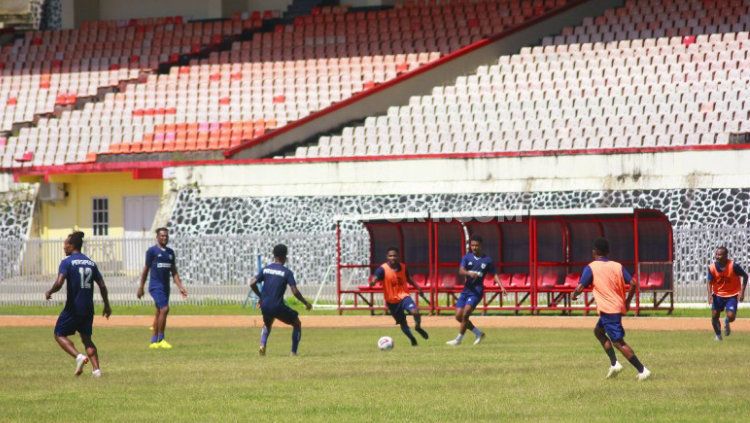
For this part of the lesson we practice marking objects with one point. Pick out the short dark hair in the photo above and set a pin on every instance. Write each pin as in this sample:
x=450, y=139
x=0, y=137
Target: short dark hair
x=723, y=248
x=76, y=239
x=601, y=245
x=392, y=248
x=476, y=238
x=162, y=229
x=280, y=251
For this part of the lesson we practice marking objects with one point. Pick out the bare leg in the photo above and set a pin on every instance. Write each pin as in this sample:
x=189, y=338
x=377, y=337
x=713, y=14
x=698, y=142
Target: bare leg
x=601, y=335
x=155, y=325
x=628, y=352
x=465, y=319
x=91, y=350
x=715, y=323
x=67, y=345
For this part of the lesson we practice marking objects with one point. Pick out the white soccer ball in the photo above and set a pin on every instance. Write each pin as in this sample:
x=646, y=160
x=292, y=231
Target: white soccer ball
x=385, y=343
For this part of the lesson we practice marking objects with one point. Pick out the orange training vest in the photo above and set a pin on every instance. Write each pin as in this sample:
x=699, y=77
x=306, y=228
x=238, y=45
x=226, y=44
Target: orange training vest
x=726, y=283
x=394, y=284
x=609, y=287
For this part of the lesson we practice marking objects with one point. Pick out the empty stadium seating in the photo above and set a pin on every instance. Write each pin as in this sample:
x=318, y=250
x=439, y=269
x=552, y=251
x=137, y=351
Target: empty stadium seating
x=650, y=74
x=275, y=78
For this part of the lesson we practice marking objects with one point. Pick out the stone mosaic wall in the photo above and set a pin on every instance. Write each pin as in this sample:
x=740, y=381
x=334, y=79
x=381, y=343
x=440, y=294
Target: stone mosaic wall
x=288, y=217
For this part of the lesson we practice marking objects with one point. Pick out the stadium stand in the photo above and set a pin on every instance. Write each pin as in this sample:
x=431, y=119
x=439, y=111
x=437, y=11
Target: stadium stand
x=649, y=74
x=257, y=85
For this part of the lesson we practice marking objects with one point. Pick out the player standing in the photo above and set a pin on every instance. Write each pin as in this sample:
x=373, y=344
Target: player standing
x=474, y=266
x=608, y=279
x=160, y=263
x=394, y=276
x=723, y=289
x=275, y=278
x=78, y=315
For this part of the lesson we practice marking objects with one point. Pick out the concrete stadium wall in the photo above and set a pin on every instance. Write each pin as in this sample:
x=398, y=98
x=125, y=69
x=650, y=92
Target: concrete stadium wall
x=664, y=170
x=422, y=83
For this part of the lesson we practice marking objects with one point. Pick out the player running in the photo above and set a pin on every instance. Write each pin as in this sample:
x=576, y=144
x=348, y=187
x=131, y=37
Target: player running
x=608, y=279
x=78, y=315
x=160, y=263
x=394, y=276
x=723, y=289
x=474, y=266
x=275, y=278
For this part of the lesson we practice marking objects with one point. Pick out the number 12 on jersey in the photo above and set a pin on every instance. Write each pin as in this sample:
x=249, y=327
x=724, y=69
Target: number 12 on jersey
x=85, y=273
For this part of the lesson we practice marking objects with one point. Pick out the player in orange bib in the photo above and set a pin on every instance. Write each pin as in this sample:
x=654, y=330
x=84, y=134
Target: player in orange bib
x=394, y=276
x=724, y=289
x=609, y=280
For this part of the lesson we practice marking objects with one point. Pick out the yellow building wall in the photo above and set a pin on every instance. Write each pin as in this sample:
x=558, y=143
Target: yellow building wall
x=75, y=212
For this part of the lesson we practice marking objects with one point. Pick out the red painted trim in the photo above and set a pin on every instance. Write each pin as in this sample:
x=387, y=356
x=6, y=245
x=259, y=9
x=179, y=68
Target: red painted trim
x=401, y=78
x=130, y=166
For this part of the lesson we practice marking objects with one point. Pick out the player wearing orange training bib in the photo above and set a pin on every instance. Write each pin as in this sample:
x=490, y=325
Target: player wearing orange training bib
x=610, y=281
x=394, y=277
x=724, y=290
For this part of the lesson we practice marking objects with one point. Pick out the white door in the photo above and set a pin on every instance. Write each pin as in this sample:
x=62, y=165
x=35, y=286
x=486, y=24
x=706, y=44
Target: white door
x=139, y=216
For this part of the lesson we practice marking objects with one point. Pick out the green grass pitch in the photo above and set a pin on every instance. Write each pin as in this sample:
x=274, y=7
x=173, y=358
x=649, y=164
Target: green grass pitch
x=516, y=375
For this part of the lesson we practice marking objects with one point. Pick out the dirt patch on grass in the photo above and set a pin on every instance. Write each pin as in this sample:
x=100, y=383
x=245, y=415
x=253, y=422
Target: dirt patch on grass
x=548, y=322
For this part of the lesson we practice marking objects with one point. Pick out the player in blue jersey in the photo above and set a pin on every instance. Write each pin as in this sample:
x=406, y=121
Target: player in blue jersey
x=474, y=266
x=160, y=264
x=78, y=315
x=275, y=278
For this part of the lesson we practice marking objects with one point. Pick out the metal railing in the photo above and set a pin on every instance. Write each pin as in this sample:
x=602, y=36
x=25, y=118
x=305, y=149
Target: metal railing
x=217, y=268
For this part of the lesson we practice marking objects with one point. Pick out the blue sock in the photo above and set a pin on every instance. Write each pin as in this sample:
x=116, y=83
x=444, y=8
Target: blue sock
x=296, y=337
x=717, y=326
x=154, y=338
x=405, y=329
x=160, y=337
x=264, y=335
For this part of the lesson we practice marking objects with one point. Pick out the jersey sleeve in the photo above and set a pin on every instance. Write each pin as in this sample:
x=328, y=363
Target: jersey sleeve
x=490, y=269
x=739, y=271
x=149, y=257
x=290, y=278
x=259, y=276
x=379, y=274
x=64, y=266
x=96, y=274
x=710, y=276
x=464, y=262
x=626, y=275
x=587, y=277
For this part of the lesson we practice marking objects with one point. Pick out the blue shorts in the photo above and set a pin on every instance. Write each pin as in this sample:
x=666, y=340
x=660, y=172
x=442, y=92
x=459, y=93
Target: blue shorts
x=468, y=298
x=282, y=312
x=397, y=310
x=721, y=303
x=69, y=323
x=160, y=296
x=612, y=325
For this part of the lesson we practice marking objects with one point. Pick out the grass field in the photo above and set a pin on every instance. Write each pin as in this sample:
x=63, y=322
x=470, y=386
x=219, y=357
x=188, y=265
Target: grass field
x=516, y=375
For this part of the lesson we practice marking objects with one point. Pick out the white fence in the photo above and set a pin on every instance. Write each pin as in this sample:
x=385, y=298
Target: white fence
x=217, y=268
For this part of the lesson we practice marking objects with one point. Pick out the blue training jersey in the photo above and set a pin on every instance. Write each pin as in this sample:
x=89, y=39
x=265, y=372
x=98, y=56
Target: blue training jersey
x=80, y=272
x=275, y=278
x=483, y=265
x=160, y=263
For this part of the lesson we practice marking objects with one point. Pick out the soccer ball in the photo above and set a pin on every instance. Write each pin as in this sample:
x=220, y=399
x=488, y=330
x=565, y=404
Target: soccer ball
x=385, y=343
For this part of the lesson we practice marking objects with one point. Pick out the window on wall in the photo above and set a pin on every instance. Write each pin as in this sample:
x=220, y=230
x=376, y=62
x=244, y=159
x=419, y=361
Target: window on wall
x=101, y=216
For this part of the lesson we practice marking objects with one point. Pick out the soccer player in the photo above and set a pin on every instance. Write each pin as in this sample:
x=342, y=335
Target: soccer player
x=723, y=289
x=275, y=278
x=160, y=263
x=394, y=276
x=78, y=315
x=608, y=279
x=474, y=266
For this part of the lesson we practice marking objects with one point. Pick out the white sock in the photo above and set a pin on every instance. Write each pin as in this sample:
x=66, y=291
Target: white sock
x=476, y=331
x=96, y=373
x=80, y=357
x=459, y=338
